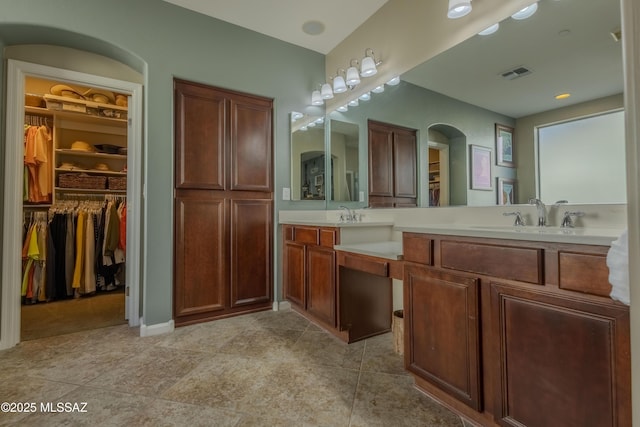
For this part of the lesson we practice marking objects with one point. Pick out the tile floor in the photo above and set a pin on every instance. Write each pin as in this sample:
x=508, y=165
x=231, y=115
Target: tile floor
x=263, y=369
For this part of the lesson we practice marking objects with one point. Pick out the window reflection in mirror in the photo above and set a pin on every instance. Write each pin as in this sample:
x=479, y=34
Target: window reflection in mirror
x=307, y=157
x=583, y=158
x=345, y=161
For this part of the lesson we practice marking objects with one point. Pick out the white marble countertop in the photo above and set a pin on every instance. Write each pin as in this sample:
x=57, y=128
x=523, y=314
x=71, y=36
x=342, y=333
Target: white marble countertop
x=585, y=236
x=330, y=223
x=387, y=249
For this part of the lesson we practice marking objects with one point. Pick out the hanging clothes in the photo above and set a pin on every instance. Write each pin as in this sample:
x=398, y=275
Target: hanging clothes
x=38, y=168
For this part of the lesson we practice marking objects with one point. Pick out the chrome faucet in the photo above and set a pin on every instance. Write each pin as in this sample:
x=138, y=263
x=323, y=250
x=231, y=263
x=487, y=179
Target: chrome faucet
x=542, y=211
x=350, y=217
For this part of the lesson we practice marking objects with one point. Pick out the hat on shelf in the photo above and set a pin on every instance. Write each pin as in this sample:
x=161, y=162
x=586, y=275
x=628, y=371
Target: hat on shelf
x=101, y=96
x=66, y=91
x=101, y=167
x=121, y=100
x=68, y=166
x=107, y=148
x=82, y=146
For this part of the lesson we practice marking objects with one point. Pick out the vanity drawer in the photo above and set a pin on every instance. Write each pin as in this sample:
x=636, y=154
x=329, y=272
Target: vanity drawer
x=308, y=235
x=364, y=263
x=587, y=273
x=418, y=248
x=507, y=262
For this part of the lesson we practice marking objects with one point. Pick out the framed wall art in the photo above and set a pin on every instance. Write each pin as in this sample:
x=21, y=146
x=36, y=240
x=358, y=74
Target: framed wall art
x=504, y=146
x=480, y=168
x=506, y=191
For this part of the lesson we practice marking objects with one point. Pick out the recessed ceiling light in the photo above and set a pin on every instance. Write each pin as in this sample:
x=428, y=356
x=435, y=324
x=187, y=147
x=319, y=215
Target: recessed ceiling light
x=563, y=96
x=313, y=28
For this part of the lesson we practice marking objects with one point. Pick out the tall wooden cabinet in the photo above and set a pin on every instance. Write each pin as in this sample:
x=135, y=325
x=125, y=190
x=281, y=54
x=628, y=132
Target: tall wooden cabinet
x=392, y=166
x=223, y=203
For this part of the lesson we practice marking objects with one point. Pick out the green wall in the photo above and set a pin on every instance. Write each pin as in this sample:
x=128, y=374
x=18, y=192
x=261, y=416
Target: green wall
x=163, y=41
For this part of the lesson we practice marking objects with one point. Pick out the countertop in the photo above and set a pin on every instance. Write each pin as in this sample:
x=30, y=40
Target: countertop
x=585, y=236
x=388, y=249
x=330, y=223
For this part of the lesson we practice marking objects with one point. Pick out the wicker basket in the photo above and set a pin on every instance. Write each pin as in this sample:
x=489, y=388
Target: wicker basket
x=117, y=183
x=89, y=182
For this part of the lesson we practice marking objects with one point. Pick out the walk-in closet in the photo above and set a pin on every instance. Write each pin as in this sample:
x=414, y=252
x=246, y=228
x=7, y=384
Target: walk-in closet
x=74, y=208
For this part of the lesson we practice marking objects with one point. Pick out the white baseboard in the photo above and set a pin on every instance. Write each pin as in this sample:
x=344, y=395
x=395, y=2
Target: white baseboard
x=281, y=305
x=157, y=329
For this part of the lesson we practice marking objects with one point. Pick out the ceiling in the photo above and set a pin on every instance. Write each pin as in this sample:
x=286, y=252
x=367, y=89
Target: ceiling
x=283, y=19
x=567, y=45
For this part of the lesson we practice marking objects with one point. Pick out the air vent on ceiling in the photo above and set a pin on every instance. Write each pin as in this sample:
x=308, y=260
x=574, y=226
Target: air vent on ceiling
x=515, y=73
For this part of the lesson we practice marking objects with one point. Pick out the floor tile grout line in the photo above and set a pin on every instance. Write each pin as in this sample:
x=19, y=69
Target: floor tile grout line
x=355, y=392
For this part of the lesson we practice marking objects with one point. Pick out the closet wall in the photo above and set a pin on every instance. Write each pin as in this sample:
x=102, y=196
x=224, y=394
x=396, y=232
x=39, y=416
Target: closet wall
x=74, y=199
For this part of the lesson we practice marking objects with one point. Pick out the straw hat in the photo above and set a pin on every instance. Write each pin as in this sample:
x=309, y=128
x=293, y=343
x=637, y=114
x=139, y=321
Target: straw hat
x=82, y=146
x=101, y=96
x=121, y=100
x=101, y=167
x=66, y=91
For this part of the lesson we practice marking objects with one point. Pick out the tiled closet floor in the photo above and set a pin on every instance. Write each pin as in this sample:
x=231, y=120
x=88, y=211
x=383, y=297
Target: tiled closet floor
x=263, y=369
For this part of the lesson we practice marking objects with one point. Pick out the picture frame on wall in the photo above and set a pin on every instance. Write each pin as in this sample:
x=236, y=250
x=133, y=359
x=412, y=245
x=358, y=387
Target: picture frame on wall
x=480, y=168
x=505, y=146
x=506, y=191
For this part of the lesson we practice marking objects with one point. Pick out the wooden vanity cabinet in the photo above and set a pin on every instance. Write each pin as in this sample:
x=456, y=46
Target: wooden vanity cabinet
x=516, y=333
x=310, y=271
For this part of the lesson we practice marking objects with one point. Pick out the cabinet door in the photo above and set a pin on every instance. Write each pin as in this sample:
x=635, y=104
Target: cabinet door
x=200, y=135
x=442, y=330
x=321, y=284
x=251, y=248
x=200, y=242
x=404, y=163
x=380, y=160
x=562, y=361
x=251, y=144
x=294, y=272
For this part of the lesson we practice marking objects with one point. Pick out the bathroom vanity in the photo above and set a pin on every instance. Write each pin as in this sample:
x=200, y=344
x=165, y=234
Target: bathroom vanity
x=515, y=331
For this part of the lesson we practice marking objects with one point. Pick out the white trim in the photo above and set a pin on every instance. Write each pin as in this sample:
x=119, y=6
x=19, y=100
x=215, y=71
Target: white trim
x=281, y=305
x=11, y=245
x=157, y=329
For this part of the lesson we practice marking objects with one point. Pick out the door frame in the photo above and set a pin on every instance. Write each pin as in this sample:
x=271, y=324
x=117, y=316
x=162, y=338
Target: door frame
x=10, y=308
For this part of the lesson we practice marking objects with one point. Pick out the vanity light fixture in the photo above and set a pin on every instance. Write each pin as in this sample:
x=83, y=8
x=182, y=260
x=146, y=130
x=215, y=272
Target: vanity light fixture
x=365, y=96
x=394, y=81
x=343, y=108
x=339, y=85
x=304, y=128
x=489, y=30
x=368, y=65
x=316, y=98
x=295, y=115
x=319, y=120
x=458, y=8
x=378, y=89
x=526, y=12
x=311, y=125
x=326, y=92
x=354, y=103
x=353, y=77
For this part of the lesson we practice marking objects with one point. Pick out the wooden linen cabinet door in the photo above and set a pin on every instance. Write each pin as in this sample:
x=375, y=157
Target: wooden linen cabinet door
x=251, y=148
x=200, y=270
x=251, y=243
x=405, y=164
x=441, y=319
x=200, y=137
x=294, y=272
x=380, y=161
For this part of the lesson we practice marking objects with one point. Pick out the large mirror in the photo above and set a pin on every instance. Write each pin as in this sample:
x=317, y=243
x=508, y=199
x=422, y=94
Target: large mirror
x=345, y=161
x=510, y=78
x=308, y=158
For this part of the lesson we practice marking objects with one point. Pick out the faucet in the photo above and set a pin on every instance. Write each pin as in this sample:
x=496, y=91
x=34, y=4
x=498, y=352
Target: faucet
x=542, y=211
x=350, y=216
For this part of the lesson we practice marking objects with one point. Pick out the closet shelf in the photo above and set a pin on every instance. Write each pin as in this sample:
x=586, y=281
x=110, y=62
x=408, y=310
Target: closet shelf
x=68, y=151
x=91, y=171
x=89, y=191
